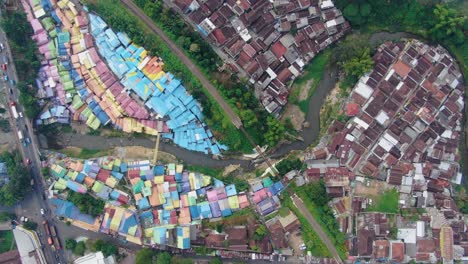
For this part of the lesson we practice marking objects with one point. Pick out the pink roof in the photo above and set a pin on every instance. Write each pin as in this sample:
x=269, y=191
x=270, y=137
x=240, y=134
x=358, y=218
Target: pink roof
x=37, y=26
x=212, y=195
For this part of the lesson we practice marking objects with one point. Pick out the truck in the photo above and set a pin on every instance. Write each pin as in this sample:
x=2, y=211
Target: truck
x=46, y=227
x=13, y=110
x=53, y=231
x=57, y=243
x=20, y=135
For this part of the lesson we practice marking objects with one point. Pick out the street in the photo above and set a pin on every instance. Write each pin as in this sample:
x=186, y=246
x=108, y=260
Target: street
x=31, y=205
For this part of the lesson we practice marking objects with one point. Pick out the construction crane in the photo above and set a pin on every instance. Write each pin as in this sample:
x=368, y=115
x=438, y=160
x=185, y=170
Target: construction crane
x=156, y=148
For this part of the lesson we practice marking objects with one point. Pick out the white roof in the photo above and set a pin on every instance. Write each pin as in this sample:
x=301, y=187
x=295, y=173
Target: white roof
x=391, y=139
x=326, y=4
x=407, y=234
x=349, y=137
x=363, y=90
x=400, y=84
x=361, y=123
x=385, y=144
x=245, y=35
x=94, y=258
x=331, y=23
x=389, y=74
x=382, y=117
x=271, y=73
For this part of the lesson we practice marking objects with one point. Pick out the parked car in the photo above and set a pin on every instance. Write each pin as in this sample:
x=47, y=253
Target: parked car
x=28, y=140
x=42, y=211
x=20, y=114
x=28, y=161
x=5, y=78
x=4, y=66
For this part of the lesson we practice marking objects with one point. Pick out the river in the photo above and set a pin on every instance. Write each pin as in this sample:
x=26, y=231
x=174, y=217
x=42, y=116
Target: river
x=309, y=134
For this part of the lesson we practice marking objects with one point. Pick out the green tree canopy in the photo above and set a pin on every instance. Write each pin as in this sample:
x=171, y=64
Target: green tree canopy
x=163, y=258
x=249, y=118
x=448, y=25
x=287, y=165
x=79, y=248
x=19, y=185
x=70, y=243
x=275, y=131
x=358, y=66
x=30, y=225
x=144, y=256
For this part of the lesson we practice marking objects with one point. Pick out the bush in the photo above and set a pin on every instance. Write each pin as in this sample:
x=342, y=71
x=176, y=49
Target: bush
x=288, y=165
x=86, y=203
x=19, y=185
x=30, y=225
x=6, y=216
x=79, y=248
x=144, y=256
x=70, y=243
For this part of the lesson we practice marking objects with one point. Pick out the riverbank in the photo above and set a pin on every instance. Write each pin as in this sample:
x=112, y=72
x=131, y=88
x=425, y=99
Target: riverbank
x=309, y=134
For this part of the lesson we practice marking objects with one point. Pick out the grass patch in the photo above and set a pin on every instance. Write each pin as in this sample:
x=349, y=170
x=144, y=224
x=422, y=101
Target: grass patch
x=313, y=71
x=312, y=241
x=386, y=203
x=120, y=19
x=213, y=172
x=326, y=220
x=7, y=241
x=84, y=153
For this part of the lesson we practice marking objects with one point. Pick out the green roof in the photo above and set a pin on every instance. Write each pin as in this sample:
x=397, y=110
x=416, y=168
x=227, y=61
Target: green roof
x=97, y=187
x=267, y=182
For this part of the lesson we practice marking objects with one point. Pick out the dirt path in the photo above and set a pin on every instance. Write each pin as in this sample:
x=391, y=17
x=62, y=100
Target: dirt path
x=300, y=205
x=185, y=60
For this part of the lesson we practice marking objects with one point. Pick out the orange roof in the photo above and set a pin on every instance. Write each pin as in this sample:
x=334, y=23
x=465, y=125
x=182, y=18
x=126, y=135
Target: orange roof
x=401, y=68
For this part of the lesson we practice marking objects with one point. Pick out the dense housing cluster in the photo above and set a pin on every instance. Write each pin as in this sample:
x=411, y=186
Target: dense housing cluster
x=404, y=128
x=92, y=74
x=270, y=41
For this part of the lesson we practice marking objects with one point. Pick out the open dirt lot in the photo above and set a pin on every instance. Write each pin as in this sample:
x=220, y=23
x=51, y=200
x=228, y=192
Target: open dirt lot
x=295, y=114
x=374, y=189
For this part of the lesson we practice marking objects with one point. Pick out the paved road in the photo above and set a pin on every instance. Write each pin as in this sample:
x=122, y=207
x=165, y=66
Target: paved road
x=32, y=204
x=186, y=60
x=316, y=226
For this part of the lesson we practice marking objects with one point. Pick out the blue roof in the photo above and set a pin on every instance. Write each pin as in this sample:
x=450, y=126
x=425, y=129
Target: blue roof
x=143, y=203
x=276, y=188
x=194, y=212
x=231, y=190
x=215, y=210
x=69, y=210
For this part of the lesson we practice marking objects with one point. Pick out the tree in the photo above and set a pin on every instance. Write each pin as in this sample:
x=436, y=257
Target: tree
x=70, y=243
x=19, y=184
x=275, y=131
x=358, y=66
x=288, y=165
x=216, y=260
x=317, y=193
x=30, y=225
x=144, y=256
x=163, y=258
x=249, y=118
x=86, y=203
x=6, y=216
x=79, y=248
x=447, y=25
x=260, y=232
x=194, y=48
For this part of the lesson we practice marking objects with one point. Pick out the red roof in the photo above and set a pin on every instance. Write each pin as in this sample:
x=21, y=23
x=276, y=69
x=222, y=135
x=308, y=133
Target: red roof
x=401, y=69
x=352, y=109
x=219, y=36
x=278, y=49
x=398, y=251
